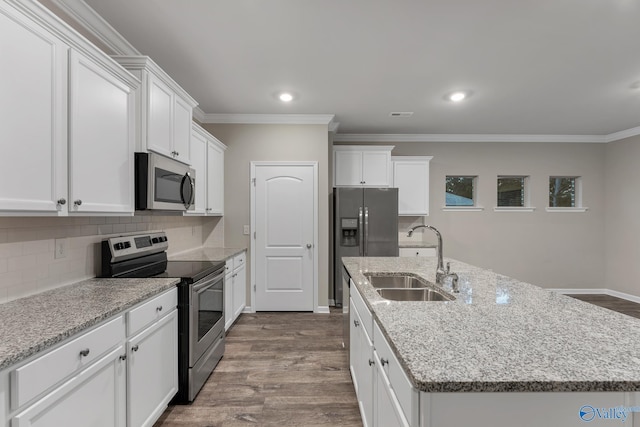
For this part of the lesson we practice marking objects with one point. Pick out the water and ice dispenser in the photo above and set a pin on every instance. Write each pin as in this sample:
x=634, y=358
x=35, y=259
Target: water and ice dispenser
x=349, y=232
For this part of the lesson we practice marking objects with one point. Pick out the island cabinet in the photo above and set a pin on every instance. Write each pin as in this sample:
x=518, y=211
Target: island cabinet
x=165, y=110
x=385, y=395
x=122, y=372
x=68, y=111
x=235, y=288
x=362, y=166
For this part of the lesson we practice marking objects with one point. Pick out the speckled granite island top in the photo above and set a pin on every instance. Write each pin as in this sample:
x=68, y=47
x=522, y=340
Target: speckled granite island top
x=501, y=334
x=208, y=254
x=33, y=324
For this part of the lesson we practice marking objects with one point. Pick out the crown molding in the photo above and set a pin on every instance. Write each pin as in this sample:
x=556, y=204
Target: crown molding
x=627, y=133
x=89, y=19
x=333, y=126
x=198, y=114
x=357, y=137
x=272, y=119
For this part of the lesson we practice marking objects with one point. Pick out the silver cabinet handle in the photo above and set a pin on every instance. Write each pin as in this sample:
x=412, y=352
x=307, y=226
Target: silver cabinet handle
x=77, y=202
x=177, y=153
x=84, y=353
x=371, y=362
x=159, y=308
x=134, y=348
x=62, y=201
x=384, y=361
x=123, y=357
x=356, y=323
x=309, y=245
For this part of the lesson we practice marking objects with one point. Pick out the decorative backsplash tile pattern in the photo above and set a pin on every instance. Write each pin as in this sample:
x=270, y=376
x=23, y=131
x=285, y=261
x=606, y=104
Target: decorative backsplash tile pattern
x=27, y=246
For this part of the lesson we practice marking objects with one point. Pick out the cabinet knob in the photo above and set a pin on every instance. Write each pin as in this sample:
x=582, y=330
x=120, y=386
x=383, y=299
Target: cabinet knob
x=77, y=202
x=62, y=201
x=134, y=348
x=159, y=308
x=84, y=353
x=384, y=361
x=177, y=153
x=356, y=323
x=371, y=362
x=123, y=357
x=309, y=245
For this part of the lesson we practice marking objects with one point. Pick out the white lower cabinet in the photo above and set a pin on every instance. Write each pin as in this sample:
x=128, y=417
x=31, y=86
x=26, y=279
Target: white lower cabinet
x=101, y=377
x=413, y=252
x=94, y=397
x=153, y=370
x=378, y=378
x=235, y=293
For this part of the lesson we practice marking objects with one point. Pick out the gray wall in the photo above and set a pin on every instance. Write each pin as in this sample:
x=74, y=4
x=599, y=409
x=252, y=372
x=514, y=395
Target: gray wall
x=248, y=143
x=559, y=250
x=622, y=226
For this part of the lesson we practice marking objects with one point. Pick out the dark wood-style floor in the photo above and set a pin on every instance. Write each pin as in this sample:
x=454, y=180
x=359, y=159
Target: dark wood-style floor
x=279, y=369
x=612, y=303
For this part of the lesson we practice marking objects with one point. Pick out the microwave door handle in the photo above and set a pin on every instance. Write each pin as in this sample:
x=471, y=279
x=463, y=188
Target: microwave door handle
x=187, y=203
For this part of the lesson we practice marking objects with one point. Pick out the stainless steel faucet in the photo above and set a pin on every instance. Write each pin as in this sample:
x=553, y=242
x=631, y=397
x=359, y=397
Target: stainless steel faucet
x=441, y=273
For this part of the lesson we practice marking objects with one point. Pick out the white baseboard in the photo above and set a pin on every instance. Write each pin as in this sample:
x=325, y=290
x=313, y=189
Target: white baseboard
x=248, y=309
x=322, y=309
x=610, y=292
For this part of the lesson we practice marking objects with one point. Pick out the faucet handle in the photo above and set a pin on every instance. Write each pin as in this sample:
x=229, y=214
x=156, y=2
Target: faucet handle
x=448, y=267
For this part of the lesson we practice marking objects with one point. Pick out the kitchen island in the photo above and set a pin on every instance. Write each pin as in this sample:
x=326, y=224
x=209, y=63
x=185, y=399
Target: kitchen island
x=503, y=351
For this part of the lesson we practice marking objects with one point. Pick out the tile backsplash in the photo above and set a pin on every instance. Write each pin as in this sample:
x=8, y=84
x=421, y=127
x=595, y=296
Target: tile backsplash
x=27, y=246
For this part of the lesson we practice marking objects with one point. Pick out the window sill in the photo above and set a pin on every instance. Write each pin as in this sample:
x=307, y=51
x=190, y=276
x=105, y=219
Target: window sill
x=462, y=209
x=513, y=209
x=567, y=209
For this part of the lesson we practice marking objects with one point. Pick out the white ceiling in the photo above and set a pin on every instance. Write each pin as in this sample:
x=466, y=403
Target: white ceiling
x=560, y=67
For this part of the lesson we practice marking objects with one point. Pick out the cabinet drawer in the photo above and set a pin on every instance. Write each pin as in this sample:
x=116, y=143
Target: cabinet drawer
x=363, y=310
x=239, y=260
x=152, y=310
x=46, y=371
x=407, y=395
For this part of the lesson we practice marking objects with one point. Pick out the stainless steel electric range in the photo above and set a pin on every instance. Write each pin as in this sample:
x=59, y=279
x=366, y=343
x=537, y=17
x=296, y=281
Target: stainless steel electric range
x=200, y=301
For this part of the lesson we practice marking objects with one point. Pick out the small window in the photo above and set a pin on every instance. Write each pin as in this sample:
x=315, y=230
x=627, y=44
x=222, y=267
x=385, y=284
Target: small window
x=460, y=191
x=512, y=191
x=564, y=192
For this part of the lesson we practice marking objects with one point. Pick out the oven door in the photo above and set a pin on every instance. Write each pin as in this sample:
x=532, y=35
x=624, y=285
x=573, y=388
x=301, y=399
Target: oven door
x=206, y=319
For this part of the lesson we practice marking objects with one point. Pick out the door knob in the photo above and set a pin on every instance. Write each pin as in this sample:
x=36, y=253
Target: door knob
x=309, y=245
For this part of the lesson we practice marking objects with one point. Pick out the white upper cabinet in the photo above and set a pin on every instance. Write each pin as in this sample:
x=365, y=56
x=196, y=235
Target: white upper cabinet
x=411, y=178
x=208, y=161
x=362, y=166
x=33, y=105
x=166, y=110
x=68, y=118
x=101, y=137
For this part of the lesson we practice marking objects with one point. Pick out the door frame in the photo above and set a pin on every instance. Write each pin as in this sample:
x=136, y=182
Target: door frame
x=254, y=165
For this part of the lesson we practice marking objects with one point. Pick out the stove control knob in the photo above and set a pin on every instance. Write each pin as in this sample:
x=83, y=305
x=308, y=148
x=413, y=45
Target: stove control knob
x=127, y=244
x=155, y=240
x=118, y=246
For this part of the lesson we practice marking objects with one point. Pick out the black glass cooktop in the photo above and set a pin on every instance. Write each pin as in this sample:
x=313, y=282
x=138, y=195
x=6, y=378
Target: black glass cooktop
x=189, y=271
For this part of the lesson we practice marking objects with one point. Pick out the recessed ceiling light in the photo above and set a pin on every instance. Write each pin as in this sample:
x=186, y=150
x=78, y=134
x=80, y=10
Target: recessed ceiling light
x=457, y=96
x=285, y=97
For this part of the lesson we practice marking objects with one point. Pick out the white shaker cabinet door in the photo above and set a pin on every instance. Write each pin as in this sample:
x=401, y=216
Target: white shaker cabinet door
x=153, y=371
x=348, y=168
x=215, y=179
x=376, y=168
x=199, y=148
x=239, y=291
x=101, y=139
x=182, y=130
x=33, y=107
x=95, y=397
x=160, y=117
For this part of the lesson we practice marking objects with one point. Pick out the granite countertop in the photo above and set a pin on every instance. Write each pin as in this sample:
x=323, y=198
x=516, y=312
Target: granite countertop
x=34, y=323
x=416, y=245
x=207, y=254
x=501, y=334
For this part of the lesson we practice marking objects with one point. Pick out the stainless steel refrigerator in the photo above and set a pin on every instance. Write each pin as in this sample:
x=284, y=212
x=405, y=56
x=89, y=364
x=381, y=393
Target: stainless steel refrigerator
x=365, y=223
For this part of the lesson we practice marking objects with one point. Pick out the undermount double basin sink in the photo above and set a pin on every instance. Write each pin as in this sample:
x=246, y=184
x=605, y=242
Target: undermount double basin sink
x=405, y=288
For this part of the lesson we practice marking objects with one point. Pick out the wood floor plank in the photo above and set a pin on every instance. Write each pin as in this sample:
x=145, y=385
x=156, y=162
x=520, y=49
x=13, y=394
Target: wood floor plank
x=279, y=369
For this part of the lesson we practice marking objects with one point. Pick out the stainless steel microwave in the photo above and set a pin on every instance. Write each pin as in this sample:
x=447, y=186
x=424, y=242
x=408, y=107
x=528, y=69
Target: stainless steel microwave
x=163, y=184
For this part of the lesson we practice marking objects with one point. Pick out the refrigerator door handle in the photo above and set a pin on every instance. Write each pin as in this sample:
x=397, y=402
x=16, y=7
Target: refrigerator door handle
x=361, y=230
x=366, y=230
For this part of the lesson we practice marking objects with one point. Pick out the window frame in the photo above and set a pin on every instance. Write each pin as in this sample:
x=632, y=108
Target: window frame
x=472, y=208
x=526, y=199
x=578, y=185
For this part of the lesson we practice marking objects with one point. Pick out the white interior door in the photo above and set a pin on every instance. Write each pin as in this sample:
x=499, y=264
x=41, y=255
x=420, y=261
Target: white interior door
x=285, y=237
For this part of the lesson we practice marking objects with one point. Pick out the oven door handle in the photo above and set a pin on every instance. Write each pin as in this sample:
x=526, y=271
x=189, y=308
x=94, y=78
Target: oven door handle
x=209, y=283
